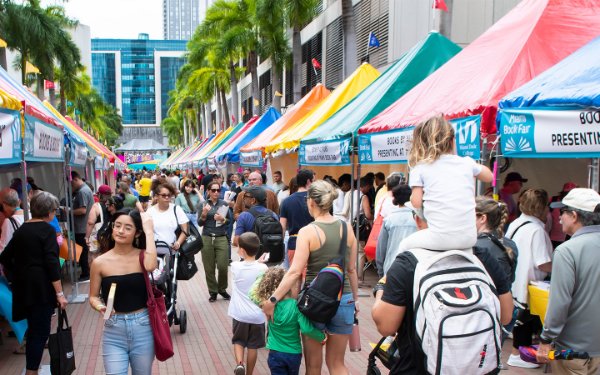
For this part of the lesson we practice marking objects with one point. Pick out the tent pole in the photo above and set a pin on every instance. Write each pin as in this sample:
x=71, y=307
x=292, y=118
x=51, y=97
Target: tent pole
x=594, y=174
x=24, y=201
x=75, y=297
x=482, y=159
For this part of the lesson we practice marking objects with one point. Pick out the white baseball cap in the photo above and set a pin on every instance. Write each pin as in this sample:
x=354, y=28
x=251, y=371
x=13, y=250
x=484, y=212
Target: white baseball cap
x=581, y=199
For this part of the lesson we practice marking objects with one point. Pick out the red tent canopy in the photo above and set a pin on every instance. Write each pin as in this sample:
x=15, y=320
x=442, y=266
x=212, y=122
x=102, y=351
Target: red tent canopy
x=531, y=38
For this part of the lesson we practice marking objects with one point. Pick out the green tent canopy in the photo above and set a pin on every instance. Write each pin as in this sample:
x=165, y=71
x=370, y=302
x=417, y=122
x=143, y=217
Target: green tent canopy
x=329, y=143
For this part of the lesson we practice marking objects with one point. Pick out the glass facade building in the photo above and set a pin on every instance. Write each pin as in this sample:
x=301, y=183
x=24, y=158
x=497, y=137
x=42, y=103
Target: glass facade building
x=137, y=75
x=180, y=18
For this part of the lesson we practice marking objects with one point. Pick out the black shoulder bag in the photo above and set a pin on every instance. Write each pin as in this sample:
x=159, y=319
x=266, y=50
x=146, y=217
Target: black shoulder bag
x=60, y=346
x=320, y=300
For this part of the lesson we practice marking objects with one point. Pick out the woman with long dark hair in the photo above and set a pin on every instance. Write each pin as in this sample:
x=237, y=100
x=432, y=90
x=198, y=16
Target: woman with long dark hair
x=127, y=339
x=189, y=200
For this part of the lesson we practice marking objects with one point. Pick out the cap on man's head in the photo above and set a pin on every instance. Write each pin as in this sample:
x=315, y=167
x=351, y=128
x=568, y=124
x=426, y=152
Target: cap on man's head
x=568, y=186
x=514, y=176
x=256, y=192
x=587, y=200
x=104, y=190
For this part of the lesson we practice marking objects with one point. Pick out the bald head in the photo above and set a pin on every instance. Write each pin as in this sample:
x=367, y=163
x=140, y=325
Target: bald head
x=255, y=179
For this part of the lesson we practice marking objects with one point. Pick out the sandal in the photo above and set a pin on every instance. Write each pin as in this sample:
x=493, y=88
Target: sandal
x=213, y=297
x=19, y=349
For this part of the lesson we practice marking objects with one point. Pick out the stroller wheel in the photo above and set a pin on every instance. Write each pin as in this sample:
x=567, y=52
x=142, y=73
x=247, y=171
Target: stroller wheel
x=373, y=370
x=182, y=321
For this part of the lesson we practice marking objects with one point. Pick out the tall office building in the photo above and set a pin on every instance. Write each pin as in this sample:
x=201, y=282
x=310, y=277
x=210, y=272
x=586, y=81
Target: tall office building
x=180, y=18
x=136, y=75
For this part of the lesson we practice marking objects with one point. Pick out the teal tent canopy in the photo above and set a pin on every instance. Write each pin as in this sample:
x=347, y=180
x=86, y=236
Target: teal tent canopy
x=333, y=137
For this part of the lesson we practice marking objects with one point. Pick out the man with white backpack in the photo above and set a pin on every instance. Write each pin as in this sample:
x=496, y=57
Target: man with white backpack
x=445, y=311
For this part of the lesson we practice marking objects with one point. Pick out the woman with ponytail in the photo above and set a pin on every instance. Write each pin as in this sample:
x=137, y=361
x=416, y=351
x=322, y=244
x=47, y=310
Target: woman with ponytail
x=491, y=217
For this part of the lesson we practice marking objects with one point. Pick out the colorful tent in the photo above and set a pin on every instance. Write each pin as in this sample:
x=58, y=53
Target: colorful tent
x=231, y=152
x=149, y=165
x=532, y=37
x=556, y=114
x=354, y=84
x=226, y=137
x=323, y=145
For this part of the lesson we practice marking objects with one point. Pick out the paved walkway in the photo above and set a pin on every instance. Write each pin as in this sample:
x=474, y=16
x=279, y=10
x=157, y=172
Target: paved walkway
x=206, y=346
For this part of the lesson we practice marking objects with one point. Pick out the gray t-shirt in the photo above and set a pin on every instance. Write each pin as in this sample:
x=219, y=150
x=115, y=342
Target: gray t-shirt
x=83, y=197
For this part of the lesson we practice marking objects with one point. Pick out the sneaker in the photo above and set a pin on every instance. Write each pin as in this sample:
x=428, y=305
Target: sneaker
x=515, y=361
x=239, y=370
x=225, y=295
x=213, y=297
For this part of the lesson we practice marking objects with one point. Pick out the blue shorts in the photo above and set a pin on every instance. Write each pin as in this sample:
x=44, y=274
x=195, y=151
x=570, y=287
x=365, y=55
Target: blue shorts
x=342, y=321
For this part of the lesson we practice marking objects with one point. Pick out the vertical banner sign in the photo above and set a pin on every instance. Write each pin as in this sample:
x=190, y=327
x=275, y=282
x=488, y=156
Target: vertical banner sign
x=325, y=153
x=78, y=154
x=43, y=142
x=468, y=138
x=99, y=163
x=251, y=159
x=10, y=141
x=388, y=147
x=551, y=134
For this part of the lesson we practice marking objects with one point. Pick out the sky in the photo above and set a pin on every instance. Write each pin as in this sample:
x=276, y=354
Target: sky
x=120, y=19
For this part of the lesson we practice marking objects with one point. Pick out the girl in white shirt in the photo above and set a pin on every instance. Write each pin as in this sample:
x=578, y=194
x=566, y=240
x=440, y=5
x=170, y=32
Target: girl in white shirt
x=443, y=186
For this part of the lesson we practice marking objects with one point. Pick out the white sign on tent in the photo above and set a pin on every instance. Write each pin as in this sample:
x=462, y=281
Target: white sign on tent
x=10, y=145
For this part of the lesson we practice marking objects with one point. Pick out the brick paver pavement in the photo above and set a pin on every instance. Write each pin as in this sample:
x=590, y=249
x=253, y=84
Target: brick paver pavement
x=206, y=346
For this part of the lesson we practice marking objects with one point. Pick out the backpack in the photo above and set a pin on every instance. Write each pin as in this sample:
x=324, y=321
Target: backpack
x=269, y=231
x=457, y=313
x=319, y=301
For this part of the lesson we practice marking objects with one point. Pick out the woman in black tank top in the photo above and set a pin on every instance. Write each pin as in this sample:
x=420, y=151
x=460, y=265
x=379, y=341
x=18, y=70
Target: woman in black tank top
x=317, y=243
x=127, y=339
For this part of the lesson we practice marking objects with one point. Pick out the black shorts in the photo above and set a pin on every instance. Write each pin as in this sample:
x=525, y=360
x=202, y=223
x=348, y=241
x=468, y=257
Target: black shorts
x=248, y=335
x=144, y=199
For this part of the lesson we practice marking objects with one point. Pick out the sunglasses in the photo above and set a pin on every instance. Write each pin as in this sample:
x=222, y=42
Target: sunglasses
x=166, y=196
x=215, y=190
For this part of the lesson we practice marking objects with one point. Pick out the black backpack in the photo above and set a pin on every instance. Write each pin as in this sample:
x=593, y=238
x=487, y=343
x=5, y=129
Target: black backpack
x=269, y=231
x=319, y=301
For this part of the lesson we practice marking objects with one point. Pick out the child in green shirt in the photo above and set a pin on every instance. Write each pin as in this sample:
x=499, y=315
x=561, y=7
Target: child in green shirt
x=283, y=339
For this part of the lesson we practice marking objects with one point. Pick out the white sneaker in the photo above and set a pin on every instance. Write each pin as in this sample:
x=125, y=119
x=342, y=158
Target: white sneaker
x=515, y=361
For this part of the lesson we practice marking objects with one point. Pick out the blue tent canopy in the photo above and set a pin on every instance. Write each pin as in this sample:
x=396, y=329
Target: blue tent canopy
x=574, y=82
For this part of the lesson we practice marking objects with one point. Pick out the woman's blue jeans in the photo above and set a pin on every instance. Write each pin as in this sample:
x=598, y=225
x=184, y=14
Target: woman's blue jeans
x=128, y=340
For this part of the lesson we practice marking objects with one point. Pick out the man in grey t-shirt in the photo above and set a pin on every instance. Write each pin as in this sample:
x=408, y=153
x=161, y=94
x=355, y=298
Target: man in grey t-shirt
x=83, y=199
x=572, y=315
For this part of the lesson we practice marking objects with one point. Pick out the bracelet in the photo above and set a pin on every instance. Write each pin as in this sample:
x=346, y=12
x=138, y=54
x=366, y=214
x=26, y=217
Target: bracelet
x=99, y=306
x=60, y=294
x=377, y=288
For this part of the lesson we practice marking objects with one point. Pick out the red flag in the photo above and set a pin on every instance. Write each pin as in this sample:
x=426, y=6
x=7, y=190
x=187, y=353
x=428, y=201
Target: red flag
x=315, y=63
x=440, y=4
x=48, y=85
x=232, y=118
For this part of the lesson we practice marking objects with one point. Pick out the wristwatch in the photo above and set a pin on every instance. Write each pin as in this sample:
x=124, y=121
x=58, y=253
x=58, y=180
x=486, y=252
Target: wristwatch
x=273, y=299
x=377, y=288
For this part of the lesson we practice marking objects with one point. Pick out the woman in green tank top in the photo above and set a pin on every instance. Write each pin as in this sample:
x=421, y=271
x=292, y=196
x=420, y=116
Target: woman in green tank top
x=318, y=243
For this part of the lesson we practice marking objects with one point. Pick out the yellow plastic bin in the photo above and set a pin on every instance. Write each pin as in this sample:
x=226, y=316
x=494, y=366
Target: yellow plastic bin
x=538, y=301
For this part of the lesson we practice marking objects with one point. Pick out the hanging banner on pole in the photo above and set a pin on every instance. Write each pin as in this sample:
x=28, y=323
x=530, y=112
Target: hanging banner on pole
x=387, y=147
x=550, y=134
x=325, y=153
x=43, y=142
x=10, y=140
x=99, y=163
x=251, y=159
x=79, y=154
x=468, y=137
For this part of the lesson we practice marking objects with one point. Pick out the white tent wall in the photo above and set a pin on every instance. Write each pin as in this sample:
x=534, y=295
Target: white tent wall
x=550, y=174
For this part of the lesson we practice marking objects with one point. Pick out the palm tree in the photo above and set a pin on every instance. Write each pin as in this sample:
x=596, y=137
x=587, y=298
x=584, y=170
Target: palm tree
x=270, y=15
x=299, y=14
x=349, y=29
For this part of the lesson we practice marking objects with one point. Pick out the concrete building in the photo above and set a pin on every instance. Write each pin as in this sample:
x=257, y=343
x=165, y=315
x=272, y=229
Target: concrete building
x=135, y=76
x=181, y=17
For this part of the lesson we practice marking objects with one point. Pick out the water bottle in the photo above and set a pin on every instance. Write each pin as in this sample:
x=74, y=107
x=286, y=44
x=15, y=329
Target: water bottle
x=355, y=337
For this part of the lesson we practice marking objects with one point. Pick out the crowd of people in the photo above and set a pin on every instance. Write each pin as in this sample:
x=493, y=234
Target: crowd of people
x=274, y=240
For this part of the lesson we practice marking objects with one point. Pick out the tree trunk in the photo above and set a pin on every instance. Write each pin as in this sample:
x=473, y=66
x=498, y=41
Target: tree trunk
x=276, y=76
x=253, y=66
x=199, y=113
x=209, y=120
x=297, y=64
x=3, y=61
x=40, y=87
x=446, y=20
x=23, y=68
x=349, y=28
x=234, y=92
x=227, y=122
x=63, y=102
x=204, y=123
x=52, y=91
x=219, y=110
x=185, y=130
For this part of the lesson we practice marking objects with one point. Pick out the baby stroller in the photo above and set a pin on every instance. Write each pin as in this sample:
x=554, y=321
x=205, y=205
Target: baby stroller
x=386, y=351
x=165, y=278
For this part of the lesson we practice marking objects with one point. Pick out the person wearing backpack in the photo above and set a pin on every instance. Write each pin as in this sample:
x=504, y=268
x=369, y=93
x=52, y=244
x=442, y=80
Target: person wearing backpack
x=396, y=311
x=319, y=244
x=262, y=221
